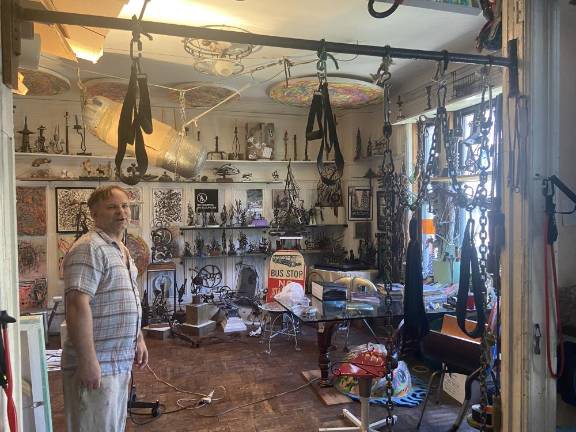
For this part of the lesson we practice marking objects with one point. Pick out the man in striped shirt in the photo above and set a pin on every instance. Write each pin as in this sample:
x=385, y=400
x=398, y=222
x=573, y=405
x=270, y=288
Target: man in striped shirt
x=102, y=318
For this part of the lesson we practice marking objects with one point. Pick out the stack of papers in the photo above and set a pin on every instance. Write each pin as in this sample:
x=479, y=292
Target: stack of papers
x=234, y=324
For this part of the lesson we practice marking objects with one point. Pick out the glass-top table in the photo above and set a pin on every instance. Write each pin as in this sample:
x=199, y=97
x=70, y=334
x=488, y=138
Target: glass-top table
x=326, y=315
x=338, y=310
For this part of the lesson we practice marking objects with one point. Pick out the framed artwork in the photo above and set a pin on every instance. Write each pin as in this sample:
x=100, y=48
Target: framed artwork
x=206, y=200
x=254, y=200
x=32, y=294
x=72, y=209
x=31, y=210
x=359, y=203
x=65, y=242
x=167, y=206
x=32, y=258
x=362, y=230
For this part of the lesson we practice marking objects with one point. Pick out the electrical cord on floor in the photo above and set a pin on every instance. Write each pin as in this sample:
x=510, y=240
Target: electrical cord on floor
x=203, y=400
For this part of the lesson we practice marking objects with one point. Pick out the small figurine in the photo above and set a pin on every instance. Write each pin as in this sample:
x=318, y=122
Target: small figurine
x=41, y=140
x=231, y=247
x=165, y=177
x=223, y=242
x=358, y=148
x=204, y=219
x=242, y=242
x=231, y=216
x=223, y=216
x=187, y=249
x=275, y=175
x=191, y=215
x=212, y=219
x=369, y=148
x=199, y=245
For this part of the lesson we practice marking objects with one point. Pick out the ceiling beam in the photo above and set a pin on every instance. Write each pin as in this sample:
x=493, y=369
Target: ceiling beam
x=184, y=31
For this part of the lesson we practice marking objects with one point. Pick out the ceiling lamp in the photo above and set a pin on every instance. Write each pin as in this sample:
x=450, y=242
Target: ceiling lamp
x=219, y=58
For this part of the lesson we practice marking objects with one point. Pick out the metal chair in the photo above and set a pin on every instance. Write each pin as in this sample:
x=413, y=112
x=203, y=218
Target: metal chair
x=459, y=354
x=277, y=321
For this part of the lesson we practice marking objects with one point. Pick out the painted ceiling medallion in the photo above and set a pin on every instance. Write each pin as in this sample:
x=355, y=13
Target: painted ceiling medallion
x=108, y=87
x=203, y=94
x=44, y=82
x=344, y=92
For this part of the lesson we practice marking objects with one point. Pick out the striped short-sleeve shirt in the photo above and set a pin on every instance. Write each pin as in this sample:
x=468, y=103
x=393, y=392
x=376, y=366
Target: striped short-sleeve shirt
x=95, y=266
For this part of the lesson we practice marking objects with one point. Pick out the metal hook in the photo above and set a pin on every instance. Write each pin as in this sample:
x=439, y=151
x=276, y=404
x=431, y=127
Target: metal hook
x=323, y=56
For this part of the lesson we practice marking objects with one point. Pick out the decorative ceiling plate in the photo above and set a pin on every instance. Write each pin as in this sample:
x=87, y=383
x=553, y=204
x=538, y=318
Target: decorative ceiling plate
x=202, y=94
x=344, y=92
x=44, y=82
x=111, y=88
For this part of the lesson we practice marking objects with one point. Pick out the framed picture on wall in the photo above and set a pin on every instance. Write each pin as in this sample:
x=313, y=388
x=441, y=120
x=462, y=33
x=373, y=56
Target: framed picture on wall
x=359, y=203
x=72, y=210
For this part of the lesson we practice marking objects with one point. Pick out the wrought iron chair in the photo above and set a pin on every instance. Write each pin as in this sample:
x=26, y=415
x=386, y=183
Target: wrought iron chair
x=458, y=353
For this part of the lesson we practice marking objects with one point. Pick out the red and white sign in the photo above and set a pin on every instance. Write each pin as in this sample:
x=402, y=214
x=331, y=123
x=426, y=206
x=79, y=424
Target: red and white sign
x=285, y=266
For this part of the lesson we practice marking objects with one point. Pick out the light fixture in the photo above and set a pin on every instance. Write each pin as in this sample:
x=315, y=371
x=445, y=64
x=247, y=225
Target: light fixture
x=219, y=58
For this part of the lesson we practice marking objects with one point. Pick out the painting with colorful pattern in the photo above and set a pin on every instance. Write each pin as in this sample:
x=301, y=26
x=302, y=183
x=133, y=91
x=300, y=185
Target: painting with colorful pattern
x=31, y=210
x=344, y=92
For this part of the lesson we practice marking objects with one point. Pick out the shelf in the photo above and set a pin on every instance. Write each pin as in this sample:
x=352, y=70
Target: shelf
x=303, y=251
x=246, y=255
x=195, y=228
x=67, y=156
x=76, y=179
x=266, y=161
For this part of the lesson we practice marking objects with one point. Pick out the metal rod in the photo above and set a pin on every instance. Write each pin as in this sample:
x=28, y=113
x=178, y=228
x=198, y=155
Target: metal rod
x=54, y=17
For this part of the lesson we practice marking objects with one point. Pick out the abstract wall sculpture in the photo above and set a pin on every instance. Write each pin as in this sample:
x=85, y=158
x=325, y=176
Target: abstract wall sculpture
x=139, y=251
x=167, y=206
x=32, y=294
x=64, y=244
x=31, y=210
x=72, y=209
x=344, y=92
x=31, y=258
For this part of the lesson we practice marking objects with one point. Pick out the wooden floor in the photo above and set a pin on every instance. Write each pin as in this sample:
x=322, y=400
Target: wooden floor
x=240, y=364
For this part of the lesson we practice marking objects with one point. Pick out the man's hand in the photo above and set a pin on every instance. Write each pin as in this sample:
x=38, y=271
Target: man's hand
x=141, y=358
x=89, y=374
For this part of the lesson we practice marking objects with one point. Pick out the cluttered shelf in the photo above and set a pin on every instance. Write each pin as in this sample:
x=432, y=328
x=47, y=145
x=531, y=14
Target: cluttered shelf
x=112, y=157
x=257, y=254
x=106, y=179
x=198, y=228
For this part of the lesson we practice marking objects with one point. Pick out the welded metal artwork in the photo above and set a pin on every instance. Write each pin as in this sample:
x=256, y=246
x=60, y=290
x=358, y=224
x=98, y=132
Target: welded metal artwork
x=31, y=210
x=64, y=244
x=72, y=209
x=32, y=294
x=167, y=206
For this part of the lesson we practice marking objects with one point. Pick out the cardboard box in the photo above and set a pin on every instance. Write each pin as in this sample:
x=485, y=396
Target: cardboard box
x=203, y=329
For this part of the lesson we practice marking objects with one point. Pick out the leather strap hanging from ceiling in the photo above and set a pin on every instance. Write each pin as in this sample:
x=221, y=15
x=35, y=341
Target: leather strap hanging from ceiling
x=470, y=275
x=415, y=321
x=136, y=113
x=133, y=120
x=321, y=113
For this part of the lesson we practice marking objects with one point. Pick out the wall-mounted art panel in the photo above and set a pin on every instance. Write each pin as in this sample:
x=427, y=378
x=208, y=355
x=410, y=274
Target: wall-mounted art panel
x=72, y=209
x=31, y=210
x=167, y=206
